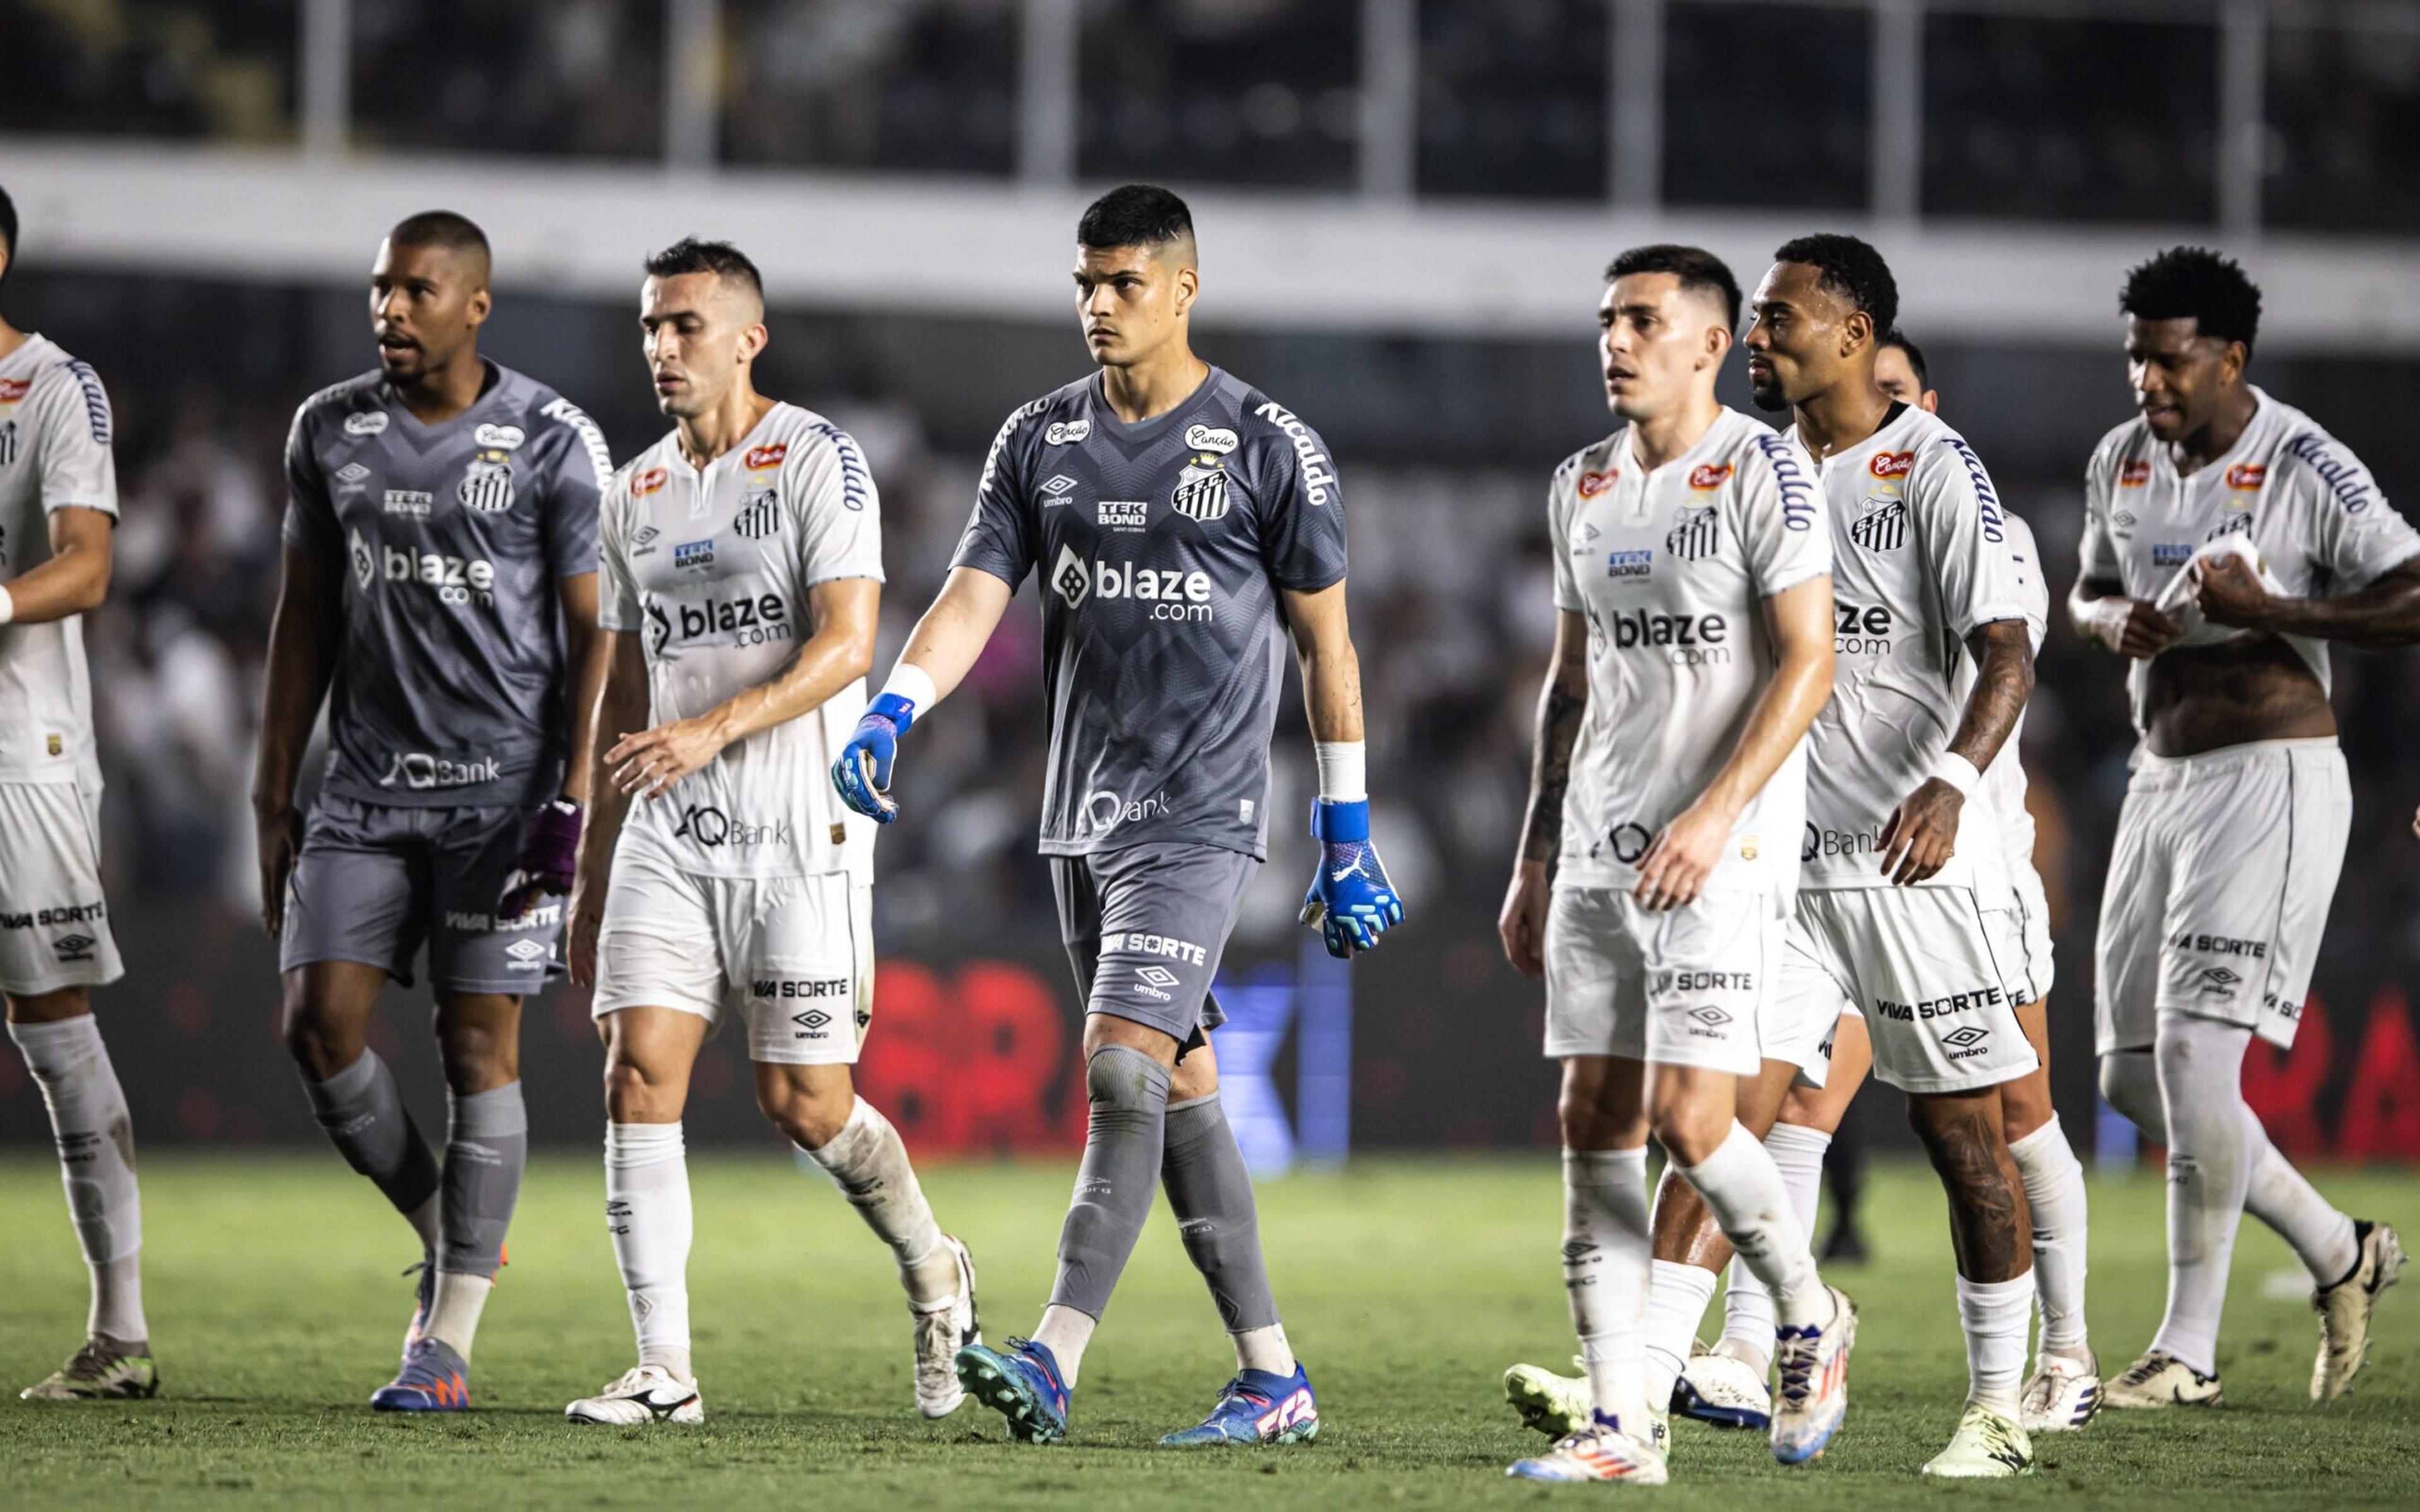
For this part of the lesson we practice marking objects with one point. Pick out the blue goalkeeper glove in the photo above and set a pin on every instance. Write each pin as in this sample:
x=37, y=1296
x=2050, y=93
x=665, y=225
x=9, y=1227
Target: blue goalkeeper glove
x=1351, y=902
x=862, y=773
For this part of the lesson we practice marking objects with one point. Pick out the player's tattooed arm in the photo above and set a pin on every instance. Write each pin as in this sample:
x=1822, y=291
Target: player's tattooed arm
x=1922, y=834
x=2384, y=613
x=1561, y=704
x=2105, y=616
x=303, y=640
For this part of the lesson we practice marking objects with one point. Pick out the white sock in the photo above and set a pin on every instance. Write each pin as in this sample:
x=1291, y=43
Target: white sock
x=1677, y=1296
x=454, y=1314
x=869, y=1163
x=2054, y=1181
x=1994, y=1315
x=1743, y=1189
x=1064, y=1331
x=95, y=1137
x=647, y=1212
x=1262, y=1349
x=1606, y=1248
x=1797, y=1152
x=2209, y=1170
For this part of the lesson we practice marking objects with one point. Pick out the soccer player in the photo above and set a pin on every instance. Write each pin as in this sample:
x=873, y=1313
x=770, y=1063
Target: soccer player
x=2228, y=538
x=1178, y=518
x=1726, y=1385
x=1693, y=649
x=742, y=562
x=441, y=519
x=58, y=505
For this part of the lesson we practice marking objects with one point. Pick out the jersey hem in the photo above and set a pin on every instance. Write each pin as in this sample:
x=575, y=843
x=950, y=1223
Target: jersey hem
x=1257, y=850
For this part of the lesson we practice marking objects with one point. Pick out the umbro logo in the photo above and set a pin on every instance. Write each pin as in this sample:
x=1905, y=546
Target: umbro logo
x=73, y=946
x=1963, y=1038
x=1058, y=486
x=814, y=1018
x=1711, y=1016
x=1158, y=976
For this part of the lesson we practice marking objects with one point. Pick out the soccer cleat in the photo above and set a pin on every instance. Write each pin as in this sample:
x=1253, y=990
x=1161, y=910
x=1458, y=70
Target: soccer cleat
x=1601, y=1451
x=431, y=1381
x=2064, y=1393
x=1256, y=1407
x=1722, y=1389
x=1812, y=1367
x=644, y=1394
x=1555, y=1406
x=1023, y=1387
x=941, y=1330
x=2344, y=1310
x=105, y=1369
x=1986, y=1446
x=2160, y=1380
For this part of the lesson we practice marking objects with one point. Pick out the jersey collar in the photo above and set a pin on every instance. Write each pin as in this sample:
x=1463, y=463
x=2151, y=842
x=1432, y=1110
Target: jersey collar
x=1144, y=432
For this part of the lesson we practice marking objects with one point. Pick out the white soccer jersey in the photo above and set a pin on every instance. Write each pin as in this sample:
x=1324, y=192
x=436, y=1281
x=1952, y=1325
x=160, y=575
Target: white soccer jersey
x=55, y=433
x=1920, y=557
x=712, y=570
x=2305, y=503
x=1673, y=567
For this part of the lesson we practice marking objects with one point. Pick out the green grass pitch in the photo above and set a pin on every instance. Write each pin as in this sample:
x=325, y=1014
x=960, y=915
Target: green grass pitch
x=1408, y=1284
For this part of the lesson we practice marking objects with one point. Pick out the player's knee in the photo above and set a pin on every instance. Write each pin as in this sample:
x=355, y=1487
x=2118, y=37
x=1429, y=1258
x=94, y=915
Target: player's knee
x=1689, y=1127
x=479, y=1058
x=2024, y=1108
x=809, y=1113
x=2130, y=1083
x=634, y=1094
x=322, y=1043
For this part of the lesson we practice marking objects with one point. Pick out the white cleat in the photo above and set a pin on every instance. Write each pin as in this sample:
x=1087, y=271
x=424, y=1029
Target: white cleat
x=2160, y=1380
x=1598, y=1452
x=646, y=1394
x=2344, y=1311
x=1812, y=1367
x=941, y=1330
x=1555, y=1406
x=1721, y=1388
x=2064, y=1395
x=1985, y=1446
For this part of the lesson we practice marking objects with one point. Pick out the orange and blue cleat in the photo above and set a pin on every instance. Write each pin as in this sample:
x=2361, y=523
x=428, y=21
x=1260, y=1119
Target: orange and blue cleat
x=433, y=1380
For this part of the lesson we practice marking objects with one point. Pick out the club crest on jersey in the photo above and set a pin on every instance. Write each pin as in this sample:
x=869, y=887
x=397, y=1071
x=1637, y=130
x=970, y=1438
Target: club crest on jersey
x=2134, y=474
x=1694, y=534
x=1593, y=483
x=1201, y=494
x=487, y=484
x=1883, y=529
x=366, y=423
x=1706, y=476
x=759, y=513
x=761, y=457
x=1063, y=431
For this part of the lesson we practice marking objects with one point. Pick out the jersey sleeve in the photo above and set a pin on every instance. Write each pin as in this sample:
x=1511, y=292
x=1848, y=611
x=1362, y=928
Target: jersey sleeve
x=1966, y=537
x=830, y=493
x=310, y=514
x=71, y=417
x=1560, y=498
x=1782, y=522
x=1302, y=502
x=576, y=467
x=1000, y=534
x=617, y=592
x=2097, y=556
x=2356, y=537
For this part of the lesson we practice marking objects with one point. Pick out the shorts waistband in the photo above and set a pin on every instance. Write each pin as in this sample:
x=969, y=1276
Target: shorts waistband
x=2149, y=763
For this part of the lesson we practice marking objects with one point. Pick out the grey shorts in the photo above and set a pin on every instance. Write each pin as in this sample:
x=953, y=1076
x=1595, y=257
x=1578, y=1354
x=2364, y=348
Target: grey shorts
x=373, y=881
x=1145, y=927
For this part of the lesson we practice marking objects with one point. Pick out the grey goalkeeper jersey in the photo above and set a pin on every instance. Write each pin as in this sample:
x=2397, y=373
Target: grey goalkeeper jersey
x=1161, y=547
x=449, y=681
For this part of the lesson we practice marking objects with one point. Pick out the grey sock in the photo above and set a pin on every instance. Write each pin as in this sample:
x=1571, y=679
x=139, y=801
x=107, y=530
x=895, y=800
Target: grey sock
x=1126, y=1096
x=1211, y=1195
x=364, y=1114
x=487, y=1144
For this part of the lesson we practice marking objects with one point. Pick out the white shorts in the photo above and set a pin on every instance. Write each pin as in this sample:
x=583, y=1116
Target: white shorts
x=2219, y=886
x=1917, y=964
x=54, y=921
x=796, y=952
x=1689, y=986
x=2021, y=936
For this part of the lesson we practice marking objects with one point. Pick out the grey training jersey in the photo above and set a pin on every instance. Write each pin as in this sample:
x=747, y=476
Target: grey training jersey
x=448, y=684
x=1161, y=547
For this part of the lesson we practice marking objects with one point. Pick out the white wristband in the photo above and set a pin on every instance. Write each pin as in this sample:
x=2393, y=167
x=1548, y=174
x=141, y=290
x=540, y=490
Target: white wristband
x=1343, y=770
x=7, y=605
x=2108, y=620
x=915, y=685
x=1957, y=771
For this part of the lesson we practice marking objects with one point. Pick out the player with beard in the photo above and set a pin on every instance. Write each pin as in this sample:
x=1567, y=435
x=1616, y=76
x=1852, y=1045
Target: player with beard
x=1178, y=518
x=1693, y=649
x=440, y=524
x=2227, y=539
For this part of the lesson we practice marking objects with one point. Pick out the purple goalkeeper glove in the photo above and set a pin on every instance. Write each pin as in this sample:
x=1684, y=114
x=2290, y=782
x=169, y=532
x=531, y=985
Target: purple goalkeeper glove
x=548, y=855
